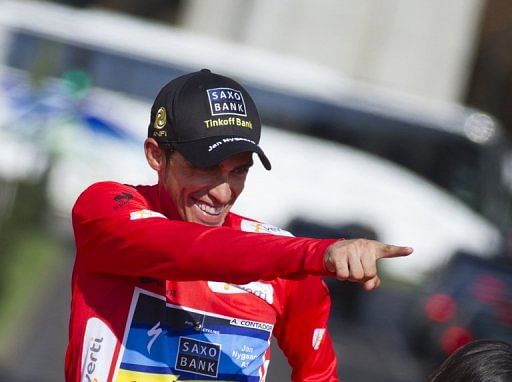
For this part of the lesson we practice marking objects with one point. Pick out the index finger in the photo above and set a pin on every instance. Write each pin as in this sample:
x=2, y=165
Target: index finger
x=388, y=251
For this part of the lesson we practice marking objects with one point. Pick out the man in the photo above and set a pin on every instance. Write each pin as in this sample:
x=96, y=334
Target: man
x=169, y=285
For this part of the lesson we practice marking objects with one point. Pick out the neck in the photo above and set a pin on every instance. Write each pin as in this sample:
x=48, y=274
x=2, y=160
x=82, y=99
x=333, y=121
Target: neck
x=166, y=204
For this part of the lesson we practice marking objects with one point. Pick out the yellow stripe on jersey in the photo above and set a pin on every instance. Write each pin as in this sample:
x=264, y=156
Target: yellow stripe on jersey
x=137, y=376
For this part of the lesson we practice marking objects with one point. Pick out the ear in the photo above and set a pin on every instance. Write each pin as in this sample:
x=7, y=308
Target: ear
x=154, y=154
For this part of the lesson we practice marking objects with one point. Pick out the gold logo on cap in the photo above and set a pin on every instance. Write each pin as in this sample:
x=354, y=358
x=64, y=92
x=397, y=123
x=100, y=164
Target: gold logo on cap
x=161, y=118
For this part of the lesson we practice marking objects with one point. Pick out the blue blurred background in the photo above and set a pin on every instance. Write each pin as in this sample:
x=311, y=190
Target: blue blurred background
x=388, y=120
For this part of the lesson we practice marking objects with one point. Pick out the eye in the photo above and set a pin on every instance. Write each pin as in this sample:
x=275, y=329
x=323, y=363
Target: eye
x=242, y=170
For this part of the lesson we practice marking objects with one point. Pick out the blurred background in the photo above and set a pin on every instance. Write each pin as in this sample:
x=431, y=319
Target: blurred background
x=383, y=119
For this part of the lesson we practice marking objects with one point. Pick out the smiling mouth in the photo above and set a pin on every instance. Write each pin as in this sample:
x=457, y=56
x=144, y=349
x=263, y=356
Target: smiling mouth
x=207, y=209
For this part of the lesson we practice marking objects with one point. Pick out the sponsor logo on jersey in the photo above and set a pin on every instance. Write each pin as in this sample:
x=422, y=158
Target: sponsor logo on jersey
x=97, y=351
x=122, y=199
x=145, y=214
x=252, y=226
x=318, y=336
x=259, y=289
x=226, y=101
x=153, y=334
x=198, y=357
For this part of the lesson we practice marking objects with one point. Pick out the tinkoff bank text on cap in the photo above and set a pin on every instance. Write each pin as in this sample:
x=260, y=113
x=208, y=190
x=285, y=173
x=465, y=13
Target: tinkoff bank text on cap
x=207, y=118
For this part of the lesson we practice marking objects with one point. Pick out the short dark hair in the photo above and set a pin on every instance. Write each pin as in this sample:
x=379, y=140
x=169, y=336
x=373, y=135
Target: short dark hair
x=167, y=149
x=477, y=361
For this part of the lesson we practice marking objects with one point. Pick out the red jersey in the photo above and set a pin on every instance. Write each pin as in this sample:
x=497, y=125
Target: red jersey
x=157, y=299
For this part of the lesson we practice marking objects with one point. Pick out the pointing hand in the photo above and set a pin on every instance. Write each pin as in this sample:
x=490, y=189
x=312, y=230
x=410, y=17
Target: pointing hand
x=356, y=260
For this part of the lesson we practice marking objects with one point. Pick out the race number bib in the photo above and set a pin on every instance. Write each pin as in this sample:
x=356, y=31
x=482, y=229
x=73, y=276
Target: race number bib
x=165, y=342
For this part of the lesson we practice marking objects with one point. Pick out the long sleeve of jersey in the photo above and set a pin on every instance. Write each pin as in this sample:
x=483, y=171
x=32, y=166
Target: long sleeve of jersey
x=302, y=332
x=131, y=240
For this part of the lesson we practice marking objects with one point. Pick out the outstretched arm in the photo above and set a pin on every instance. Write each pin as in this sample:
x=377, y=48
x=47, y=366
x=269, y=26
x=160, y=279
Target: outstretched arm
x=131, y=240
x=128, y=239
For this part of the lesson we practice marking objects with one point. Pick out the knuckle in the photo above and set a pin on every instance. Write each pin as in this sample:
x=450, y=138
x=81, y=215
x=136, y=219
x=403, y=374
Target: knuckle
x=353, y=256
x=360, y=242
x=342, y=273
x=357, y=275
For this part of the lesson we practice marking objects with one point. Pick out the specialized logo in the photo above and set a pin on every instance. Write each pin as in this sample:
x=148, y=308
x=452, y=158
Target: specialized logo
x=198, y=357
x=226, y=101
x=153, y=334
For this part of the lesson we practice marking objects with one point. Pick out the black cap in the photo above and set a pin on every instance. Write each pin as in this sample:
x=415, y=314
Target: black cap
x=207, y=118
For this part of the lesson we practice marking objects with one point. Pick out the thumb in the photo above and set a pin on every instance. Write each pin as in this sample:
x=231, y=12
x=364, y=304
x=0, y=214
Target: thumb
x=372, y=284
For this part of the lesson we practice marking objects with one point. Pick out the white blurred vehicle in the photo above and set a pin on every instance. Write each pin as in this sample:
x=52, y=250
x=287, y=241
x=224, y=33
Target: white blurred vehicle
x=90, y=126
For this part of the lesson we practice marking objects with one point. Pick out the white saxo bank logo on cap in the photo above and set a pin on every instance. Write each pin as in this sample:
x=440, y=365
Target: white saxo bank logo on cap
x=97, y=351
x=226, y=101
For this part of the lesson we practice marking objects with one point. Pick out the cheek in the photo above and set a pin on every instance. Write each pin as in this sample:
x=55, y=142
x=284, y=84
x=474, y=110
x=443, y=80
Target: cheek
x=176, y=187
x=195, y=189
x=237, y=186
x=180, y=184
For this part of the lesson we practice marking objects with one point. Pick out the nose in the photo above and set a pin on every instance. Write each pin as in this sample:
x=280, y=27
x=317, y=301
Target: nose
x=221, y=192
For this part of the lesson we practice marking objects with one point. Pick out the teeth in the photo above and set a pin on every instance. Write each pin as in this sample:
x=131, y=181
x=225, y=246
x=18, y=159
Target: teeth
x=209, y=209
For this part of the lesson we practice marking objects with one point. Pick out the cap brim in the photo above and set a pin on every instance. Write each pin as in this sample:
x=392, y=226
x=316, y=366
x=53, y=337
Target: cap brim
x=208, y=152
